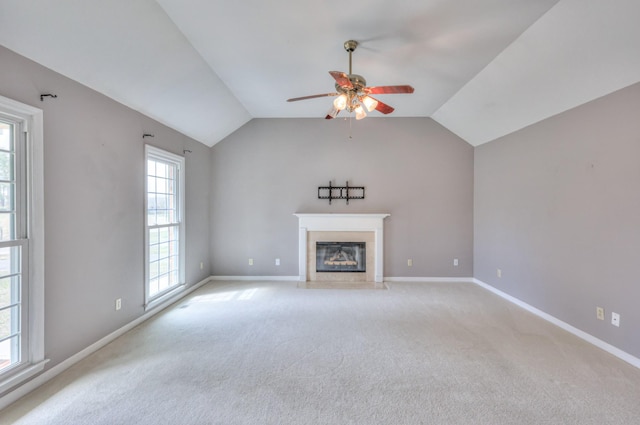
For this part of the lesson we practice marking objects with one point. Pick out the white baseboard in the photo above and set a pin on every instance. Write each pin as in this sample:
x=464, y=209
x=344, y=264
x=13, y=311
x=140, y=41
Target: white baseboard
x=66, y=364
x=623, y=355
x=257, y=278
x=386, y=279
x=430, y=279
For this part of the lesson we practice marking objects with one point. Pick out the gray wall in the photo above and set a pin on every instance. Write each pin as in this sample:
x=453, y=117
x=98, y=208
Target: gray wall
x=557, y=208
x=93, y=171
x=412, y=168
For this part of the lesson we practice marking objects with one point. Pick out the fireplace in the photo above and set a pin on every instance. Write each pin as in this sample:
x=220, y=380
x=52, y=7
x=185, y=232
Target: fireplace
x=338, y=229
x=341, y=257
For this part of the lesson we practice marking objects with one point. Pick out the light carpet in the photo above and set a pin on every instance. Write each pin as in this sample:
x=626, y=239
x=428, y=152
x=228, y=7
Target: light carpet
x=272, y=353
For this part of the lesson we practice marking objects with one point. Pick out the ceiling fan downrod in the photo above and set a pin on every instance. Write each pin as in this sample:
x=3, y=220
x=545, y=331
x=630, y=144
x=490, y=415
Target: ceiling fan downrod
x=350, y=46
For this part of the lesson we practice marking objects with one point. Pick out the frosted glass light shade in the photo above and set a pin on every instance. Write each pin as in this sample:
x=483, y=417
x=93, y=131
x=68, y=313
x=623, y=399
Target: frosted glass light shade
x=340, y=102
x=370, y=103
x=360, y=113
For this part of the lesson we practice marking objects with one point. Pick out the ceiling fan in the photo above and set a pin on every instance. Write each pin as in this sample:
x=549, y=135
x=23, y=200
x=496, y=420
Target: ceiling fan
x=353, y=93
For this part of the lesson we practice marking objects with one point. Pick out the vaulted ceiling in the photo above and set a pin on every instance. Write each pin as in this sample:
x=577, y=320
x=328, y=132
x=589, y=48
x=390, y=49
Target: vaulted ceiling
x=483, y=69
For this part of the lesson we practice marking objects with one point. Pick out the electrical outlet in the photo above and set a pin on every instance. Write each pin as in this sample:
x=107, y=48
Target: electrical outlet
x=409, y=262
x=600, y=313
x=118, y=304
x=499, y=272
x=455, y=262
x=251, y=261
x=615, y=319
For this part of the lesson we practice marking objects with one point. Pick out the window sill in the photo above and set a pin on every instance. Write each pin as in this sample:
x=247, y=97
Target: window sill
x=165, y=298
x=22, y=375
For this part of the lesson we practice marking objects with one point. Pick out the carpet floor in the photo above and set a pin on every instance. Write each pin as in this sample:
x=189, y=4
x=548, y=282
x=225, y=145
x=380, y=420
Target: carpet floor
x=274, y=353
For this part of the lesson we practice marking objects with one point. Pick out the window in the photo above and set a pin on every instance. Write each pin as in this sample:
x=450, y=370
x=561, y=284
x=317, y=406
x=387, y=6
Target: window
x=164, y=223
x=21, y=243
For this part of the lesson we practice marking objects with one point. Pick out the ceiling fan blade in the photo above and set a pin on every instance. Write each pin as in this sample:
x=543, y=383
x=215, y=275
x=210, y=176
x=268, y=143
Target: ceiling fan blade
x=383, y=107
x=342, y=79
x=313, y=96
x=388, y=89
x=333, y=112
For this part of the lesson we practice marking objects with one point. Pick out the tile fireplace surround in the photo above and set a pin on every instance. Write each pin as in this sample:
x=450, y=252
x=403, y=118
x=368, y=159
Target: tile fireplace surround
x=336, y=224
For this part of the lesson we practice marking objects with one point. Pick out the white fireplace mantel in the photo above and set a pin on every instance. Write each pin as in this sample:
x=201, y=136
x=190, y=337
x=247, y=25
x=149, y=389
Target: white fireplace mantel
x=341, y=223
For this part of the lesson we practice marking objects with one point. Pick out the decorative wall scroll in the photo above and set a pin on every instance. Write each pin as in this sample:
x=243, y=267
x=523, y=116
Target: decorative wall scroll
x=340, y=192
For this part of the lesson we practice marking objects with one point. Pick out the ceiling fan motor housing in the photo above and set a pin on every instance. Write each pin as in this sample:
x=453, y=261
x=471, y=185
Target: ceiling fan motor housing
x=357, y=81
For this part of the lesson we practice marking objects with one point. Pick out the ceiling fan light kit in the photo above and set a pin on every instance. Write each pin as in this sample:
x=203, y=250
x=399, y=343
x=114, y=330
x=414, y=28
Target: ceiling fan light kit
x=352, y=92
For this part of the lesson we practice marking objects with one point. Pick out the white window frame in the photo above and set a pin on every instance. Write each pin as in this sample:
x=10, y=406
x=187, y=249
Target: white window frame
x=152, y=152
x=33, y=360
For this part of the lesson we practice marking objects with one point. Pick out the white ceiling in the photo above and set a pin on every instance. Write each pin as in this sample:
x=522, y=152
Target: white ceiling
x=482, y=69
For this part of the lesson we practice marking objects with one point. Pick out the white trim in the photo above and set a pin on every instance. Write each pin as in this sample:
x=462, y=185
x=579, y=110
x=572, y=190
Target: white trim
x=161, y=154
x=66, y=364
x=622, y=355
x=172, y=293
x=22, y=375
x=256, y=278
x=34, y=126
x=430, y=279
x=386, y=279
x=36, y=234
x=302, y=254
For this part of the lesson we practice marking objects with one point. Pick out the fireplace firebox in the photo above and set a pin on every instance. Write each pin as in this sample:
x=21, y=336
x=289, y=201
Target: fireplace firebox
x=338, y=257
